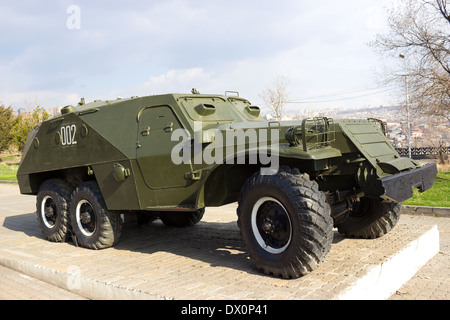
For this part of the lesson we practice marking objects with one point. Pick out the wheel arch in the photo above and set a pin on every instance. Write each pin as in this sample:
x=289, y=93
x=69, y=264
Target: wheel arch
x=225, y=181
x=73, y=176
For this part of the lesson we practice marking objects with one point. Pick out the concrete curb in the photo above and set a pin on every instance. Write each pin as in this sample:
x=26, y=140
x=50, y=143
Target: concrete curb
x=74, y=282
x=383, y=280
x=8, y=182
x=427, y=211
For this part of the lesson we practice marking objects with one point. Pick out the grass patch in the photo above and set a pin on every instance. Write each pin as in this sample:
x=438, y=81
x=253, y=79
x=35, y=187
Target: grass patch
x=9, y=163
x=438, y=196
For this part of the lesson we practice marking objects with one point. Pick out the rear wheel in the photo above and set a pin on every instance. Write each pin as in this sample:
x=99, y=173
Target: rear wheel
x=93, y=225
x=182, y=219
x=370, y=219
x=52, y=208
x=285, y=223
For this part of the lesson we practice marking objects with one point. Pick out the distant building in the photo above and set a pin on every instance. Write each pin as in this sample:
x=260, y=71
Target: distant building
x=416, y=133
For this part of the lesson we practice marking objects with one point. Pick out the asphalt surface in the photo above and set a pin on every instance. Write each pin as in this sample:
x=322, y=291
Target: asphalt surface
x=207, y=261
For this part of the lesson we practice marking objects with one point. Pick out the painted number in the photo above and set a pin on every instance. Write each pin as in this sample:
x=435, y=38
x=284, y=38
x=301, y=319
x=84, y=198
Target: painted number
x=68, y=135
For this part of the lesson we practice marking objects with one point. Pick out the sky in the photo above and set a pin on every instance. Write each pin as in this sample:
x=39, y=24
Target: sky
x=53, y=52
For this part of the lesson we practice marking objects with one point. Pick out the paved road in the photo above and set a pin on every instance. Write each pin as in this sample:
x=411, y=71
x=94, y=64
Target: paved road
x=204, y=262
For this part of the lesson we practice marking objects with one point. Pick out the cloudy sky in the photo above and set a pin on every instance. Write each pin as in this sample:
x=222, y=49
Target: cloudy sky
x=52, y=53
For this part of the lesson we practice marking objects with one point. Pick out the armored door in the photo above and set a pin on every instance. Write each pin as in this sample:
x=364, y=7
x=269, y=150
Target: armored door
x=154, y=147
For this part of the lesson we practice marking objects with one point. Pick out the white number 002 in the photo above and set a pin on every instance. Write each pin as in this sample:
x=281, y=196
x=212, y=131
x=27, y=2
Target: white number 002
x=68, y=135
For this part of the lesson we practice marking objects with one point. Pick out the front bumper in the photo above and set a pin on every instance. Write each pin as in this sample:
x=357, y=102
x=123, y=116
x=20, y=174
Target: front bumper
x=399, y=187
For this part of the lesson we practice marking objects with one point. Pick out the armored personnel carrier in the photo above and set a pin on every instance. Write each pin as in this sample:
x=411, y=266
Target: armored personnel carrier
x=171, y=156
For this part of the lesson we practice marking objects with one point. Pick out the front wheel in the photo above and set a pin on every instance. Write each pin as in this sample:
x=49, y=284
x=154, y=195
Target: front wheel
x=93, y=225
x=285, y=223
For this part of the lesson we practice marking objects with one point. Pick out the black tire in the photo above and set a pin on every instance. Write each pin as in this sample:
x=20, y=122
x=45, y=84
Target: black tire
x=182, y=219
x=52, y=209
x=370, y=219
x=285, y=223
x=93, y=225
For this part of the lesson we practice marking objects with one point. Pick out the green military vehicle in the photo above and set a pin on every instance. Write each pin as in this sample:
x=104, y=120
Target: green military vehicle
x=170, y=156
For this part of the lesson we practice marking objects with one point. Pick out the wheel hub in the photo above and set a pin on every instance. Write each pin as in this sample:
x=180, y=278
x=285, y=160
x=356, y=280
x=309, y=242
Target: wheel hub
x=49, y=212
x=271, y=225
x=85, y=217
x=267, y=226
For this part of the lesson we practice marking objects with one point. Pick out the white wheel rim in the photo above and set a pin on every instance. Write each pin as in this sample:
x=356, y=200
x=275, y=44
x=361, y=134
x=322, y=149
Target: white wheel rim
x=43, y=216
x=256, y=230
x=82, y=226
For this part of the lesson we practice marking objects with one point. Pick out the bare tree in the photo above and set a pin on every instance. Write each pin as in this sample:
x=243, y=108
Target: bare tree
x=276, y=96
x=441, y=5
x=419, y=31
